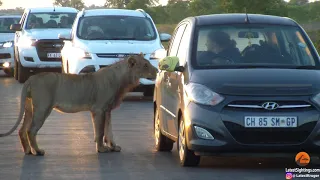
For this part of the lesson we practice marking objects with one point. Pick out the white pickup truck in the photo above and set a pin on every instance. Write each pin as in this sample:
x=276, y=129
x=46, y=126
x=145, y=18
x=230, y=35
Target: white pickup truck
x=36, y=44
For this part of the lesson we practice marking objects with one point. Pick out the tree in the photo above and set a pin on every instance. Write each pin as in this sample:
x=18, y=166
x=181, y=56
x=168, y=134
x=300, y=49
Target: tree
x=78, y=4
x=271, y=7
x=201, y=7
x=298, y=2
x=120, y=4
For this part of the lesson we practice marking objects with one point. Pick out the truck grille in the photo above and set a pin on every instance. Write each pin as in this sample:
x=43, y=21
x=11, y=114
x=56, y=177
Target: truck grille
x=114, y=55
x=270, y=135
x=49, y=46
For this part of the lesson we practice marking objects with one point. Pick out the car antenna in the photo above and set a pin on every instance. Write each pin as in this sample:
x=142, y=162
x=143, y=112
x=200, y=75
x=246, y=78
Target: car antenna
x=247, y=17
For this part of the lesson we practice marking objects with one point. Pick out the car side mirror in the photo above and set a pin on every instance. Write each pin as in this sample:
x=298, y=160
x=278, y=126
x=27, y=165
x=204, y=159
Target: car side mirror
x=65, y=36
x=164, y=37
x=179, y=69
x=15, y=27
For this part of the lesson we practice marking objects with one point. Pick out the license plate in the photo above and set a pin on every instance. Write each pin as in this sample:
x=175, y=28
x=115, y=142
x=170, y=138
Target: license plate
x=270, y=121
x=54, y=55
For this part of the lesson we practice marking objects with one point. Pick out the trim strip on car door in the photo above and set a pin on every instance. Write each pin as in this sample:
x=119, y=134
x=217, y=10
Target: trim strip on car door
x=168, y=111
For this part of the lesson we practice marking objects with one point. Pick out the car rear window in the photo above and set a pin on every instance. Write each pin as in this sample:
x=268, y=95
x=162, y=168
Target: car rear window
x=252, y=45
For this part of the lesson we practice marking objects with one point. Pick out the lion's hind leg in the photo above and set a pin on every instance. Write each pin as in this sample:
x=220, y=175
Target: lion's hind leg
x=26, y=123
x=38, y=118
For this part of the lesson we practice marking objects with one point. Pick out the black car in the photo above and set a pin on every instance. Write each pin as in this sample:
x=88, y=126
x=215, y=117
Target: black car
x=247, y=84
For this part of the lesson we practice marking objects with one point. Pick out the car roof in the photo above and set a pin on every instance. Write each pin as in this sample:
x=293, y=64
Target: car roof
x=10, y=16
x=240, y=18
x=53, y=9
x=115, y=12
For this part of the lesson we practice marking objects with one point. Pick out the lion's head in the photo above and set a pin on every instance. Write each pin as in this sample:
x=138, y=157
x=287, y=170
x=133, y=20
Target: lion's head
x=142, y=67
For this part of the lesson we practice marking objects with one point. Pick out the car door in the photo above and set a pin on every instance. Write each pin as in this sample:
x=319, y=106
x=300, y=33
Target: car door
x=173, y=49
x=175, y=86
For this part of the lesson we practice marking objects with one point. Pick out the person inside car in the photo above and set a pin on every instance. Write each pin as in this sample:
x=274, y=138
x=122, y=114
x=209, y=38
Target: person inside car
x=221, y=49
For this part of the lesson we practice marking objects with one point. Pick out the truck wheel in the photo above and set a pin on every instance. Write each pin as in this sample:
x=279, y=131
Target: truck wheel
x=23, y=73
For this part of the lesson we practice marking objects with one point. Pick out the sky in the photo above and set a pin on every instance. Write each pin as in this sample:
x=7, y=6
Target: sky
x=12, y=4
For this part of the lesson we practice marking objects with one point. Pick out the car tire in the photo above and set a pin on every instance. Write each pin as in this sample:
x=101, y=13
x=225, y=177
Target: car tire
x=148, y=91
x=162, y=143
x=23, y=73
x=186, y=156
x=15, y=71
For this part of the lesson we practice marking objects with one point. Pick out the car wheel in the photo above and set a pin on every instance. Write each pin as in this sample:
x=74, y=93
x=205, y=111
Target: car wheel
x=15, y=71
x=148, y=91
x=23, y=73
x=67, y=67
x=162, y=143
x=186, y=156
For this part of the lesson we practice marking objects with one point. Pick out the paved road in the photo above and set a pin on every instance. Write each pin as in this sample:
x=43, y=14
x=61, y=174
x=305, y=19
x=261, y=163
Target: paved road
x=70, y=149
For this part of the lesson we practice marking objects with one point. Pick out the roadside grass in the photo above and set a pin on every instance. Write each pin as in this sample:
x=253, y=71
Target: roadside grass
x=165, y=28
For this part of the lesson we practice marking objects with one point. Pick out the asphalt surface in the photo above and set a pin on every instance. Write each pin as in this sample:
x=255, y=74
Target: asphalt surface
x=70, y=149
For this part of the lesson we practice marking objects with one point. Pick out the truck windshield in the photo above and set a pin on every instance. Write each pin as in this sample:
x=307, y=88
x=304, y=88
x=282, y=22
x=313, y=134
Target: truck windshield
x=253, y=45
x=6, y=22
x=50, y=20
x=116, y=28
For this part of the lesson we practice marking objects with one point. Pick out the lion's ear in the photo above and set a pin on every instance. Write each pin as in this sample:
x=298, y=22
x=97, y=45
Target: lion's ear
x=132, y=61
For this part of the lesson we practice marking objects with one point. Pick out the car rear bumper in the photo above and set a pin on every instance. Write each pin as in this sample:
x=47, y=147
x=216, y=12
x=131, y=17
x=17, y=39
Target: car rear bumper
x=232, y=138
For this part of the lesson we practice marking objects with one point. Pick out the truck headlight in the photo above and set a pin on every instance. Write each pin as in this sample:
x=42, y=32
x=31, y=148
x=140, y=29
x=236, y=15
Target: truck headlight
x=6, y=44
x=26, y=42
x=158, y=54
x=80, y=54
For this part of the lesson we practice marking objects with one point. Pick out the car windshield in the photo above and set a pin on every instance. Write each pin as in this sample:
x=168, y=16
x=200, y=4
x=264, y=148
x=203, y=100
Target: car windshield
x=50, y=20
x=6, y=22
x=116, y=28
x=252, y=46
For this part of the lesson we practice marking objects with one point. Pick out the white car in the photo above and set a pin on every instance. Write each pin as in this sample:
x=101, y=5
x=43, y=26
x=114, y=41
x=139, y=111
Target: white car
x=6, y=42
x=101, y=37
x=36, y=44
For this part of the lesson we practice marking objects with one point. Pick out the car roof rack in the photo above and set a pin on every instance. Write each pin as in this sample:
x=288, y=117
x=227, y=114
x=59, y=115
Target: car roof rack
x=142, y=11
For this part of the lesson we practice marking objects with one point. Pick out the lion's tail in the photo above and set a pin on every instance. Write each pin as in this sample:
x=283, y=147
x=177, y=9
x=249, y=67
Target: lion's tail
x=24, y=93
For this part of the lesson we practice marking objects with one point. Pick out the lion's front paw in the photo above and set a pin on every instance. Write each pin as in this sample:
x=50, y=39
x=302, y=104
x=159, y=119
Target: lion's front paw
x=38, y=152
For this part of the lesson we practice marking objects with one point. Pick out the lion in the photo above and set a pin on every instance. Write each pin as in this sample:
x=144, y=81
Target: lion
x=98, y=92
